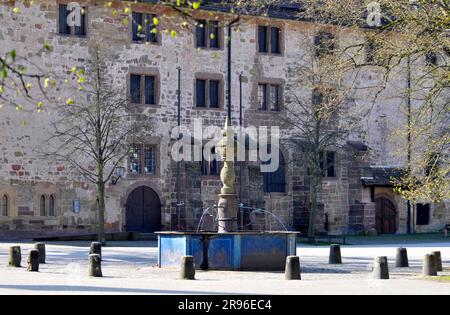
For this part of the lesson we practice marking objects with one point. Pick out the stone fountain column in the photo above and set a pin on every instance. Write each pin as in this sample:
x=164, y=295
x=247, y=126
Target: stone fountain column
x=228, y=201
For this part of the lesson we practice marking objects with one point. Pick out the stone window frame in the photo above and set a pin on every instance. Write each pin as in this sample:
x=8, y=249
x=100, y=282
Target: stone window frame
x=220, y=164
x=47, y=193
x=269, y=82
x=146, y=42
x=143, y=72
x=335, y=39
x=157, y=147
x=325, y=167
x=12, y=210
x=207, y=35
x=282, y=44
x=87, y=18
x=207, y=76
x=287, y=174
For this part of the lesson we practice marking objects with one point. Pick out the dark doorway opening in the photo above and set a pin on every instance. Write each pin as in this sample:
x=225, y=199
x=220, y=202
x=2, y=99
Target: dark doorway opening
x=143, y=211
x=386, y=216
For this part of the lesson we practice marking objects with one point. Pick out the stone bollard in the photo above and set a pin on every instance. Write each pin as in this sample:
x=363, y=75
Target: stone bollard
x=381, y=268
x=187, y=268
x=335, y=255
x=95, y=266
x=41, y=248
x=429, y=266
x=438, y=255
x=33, y=260
x=401, y=261
x=96, y=249
x=15, y=256
x=292, y=270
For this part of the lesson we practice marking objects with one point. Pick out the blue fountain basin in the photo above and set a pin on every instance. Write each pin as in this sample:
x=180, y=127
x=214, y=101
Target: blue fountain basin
x=238, y=251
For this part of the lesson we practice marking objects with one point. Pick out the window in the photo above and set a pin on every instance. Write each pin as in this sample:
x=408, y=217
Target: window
x=143, y=160
x=269, y=96
x=276, y=182
x=328, y=164
x=431, y=58
x=65, y=29
x=269, y=40
x=145, y=83
x=42, y=203
x=324, y=43
x=5, y=205
x=208, y=35
x=210, y=168
x=208, y=93
x=423, y=214
x=51, y=206
x=145, y=28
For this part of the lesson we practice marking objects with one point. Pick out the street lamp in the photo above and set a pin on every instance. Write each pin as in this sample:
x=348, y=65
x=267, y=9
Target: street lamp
x=120, y=173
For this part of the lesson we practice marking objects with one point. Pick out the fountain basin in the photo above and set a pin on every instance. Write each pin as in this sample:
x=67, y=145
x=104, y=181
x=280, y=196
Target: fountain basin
x=236, y=251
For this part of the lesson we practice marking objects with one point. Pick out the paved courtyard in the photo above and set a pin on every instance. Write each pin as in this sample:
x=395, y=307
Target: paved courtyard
x=130, y=268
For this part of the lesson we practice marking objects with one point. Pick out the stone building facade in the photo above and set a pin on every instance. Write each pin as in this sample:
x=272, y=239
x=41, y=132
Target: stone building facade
x=43, y=197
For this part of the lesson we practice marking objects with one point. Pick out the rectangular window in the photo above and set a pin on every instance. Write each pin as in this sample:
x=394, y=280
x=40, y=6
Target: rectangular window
x=262, y=96
x=269, y=40
x=208, y=93
x=214, y=35
x=423, y=214
x=262, y=39
x=324, y=43
x=149, y=160
x=150, y=97
x=328, y=164
x=275, y=40
x=275, y=97
x=65, y=29
x=331, y=161
x=210, y=167
x=208, y=35
x=214, y=94
x=135, y=89
x=135, y=160
x=269, y=97
x=144, y=28
x=200, y=33
x=142, y=160
x=143, y=89
x=63, y=13
x=201, y=93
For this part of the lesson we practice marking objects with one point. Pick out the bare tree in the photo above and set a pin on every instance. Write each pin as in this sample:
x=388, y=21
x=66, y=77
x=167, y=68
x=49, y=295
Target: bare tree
x=318, y=110
x=96, y=133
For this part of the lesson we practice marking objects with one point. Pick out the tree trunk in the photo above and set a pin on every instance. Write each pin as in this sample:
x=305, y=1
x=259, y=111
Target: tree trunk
x=101, y=214
x=313, y=212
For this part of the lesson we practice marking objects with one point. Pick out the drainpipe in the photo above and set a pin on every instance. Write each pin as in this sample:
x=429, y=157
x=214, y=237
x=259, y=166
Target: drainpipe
x=241, y=163
x=229, y=67
x=178, y=162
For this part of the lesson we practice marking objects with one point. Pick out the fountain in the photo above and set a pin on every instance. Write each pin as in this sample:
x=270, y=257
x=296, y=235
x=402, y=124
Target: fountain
x=228, y=249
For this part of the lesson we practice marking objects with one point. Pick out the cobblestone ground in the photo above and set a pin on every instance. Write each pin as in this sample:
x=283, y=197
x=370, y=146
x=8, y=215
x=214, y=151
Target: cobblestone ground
x=130, y=268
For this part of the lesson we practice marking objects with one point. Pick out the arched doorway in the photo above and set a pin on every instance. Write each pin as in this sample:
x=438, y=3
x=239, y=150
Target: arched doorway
x=386, y=216
x=143, y=211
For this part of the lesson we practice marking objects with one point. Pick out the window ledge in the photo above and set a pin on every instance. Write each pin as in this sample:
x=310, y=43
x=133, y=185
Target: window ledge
x=209, y=108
